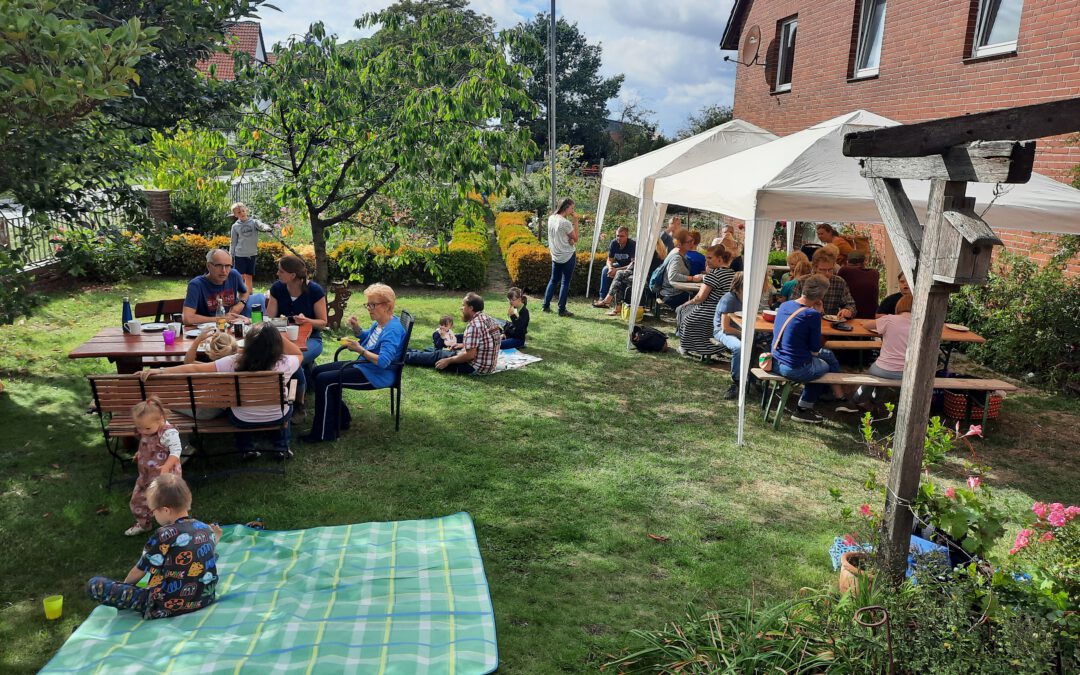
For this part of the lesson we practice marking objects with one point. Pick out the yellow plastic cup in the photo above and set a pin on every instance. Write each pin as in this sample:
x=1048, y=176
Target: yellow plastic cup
x=54, y=607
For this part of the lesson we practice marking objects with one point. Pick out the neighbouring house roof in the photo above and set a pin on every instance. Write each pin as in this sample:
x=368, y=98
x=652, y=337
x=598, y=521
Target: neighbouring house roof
x=244, y=36
x=735, y=25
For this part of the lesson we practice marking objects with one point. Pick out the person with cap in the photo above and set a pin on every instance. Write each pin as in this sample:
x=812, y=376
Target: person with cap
x=862, y=283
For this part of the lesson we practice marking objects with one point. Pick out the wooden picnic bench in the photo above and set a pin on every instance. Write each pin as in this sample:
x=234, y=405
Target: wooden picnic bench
x=776, y=389
x=114, y=396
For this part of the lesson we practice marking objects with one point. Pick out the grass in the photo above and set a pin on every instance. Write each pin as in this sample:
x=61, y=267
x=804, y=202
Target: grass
x=567, y=467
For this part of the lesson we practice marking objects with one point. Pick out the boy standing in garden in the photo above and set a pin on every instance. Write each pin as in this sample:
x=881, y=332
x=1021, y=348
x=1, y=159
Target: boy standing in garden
x=244, y=247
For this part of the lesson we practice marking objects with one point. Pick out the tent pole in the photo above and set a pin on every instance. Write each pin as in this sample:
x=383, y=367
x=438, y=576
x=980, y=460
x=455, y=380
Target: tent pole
x=551, y=103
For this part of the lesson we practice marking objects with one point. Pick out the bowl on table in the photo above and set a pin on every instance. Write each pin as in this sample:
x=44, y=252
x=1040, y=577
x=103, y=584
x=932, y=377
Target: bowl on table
x=769, y=315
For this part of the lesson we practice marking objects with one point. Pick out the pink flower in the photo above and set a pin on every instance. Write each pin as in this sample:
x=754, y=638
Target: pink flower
x=1047, y=536
x=974, y=482
x=1039, y=509
x=950, y=493
x=1022, y=540
x=974, y=430
x=865, y=510
x=849, y=540
x=1056, y=518
x=1072, y=512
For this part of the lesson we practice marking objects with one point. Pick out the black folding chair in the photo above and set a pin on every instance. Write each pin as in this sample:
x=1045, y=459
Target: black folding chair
x=398, y=366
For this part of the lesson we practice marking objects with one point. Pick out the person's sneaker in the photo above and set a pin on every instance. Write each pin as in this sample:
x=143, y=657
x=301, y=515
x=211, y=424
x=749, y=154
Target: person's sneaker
x=545, y=309
x=565, y=312
x=251, y=455
x=283, y=455
x=807, y=416
x=135, y=530
x=732, y=392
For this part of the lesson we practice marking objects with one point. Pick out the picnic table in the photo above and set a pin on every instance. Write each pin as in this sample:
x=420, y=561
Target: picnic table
x=691, y=287
x=129, y=351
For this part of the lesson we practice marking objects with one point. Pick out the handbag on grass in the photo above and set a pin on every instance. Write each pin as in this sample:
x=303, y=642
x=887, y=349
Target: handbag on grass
x=765, y=359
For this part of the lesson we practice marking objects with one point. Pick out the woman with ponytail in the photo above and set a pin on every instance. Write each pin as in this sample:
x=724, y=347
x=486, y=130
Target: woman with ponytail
x=303, y=302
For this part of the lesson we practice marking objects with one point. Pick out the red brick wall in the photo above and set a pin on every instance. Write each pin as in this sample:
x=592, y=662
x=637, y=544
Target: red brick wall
x=924, y=73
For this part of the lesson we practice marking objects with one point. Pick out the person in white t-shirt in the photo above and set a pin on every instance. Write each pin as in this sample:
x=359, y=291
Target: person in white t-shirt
x=563, y=236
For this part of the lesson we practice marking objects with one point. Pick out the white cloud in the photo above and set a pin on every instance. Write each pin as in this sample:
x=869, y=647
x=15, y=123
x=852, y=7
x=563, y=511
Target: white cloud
x=668, y=50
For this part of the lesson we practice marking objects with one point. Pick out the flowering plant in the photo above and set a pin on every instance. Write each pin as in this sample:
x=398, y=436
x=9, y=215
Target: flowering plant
x=968, y=515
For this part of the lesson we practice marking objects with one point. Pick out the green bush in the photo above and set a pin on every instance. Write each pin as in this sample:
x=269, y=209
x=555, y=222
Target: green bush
x=529, y=263
x=103, y=254
x=777, y=257
x=1030, y=317
x=17, y=298
x=201, y=212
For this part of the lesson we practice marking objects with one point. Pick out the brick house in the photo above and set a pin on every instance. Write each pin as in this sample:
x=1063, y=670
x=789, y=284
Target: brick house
x=912, y=61
x=243, y=36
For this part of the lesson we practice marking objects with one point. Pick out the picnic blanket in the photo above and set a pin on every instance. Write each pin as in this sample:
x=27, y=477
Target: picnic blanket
x=512, y=359
x=398, y=597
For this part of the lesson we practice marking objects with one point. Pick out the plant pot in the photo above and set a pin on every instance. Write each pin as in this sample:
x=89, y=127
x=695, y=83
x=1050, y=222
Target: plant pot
x=851, y=569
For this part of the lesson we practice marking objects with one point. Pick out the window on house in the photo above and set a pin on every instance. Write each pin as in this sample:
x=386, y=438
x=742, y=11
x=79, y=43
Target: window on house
x=997, y=27
x=787, y=53
x=871, y=31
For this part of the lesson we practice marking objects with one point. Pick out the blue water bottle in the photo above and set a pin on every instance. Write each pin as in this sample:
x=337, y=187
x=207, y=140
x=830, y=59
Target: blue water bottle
x=127, y=313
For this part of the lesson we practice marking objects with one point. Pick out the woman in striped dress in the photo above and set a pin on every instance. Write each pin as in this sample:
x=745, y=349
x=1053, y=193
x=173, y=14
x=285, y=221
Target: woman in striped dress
x=694, y=318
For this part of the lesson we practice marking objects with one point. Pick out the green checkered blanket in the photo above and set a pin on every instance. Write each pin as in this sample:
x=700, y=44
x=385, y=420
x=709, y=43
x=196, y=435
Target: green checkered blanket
x=400, y=597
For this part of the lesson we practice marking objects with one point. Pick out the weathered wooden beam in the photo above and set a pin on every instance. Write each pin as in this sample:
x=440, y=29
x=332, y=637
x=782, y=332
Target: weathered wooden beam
x=979, y=162
x=902, y=225
x=937, y=136
x=931, y=301
x=970, y=225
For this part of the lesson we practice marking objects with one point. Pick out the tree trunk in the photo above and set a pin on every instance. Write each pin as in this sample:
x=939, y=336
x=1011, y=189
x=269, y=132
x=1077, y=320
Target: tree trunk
x=318, y=241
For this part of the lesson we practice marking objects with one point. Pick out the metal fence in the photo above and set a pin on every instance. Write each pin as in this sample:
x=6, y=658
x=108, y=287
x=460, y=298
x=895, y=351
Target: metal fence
x=241, y=189
x=36, y=238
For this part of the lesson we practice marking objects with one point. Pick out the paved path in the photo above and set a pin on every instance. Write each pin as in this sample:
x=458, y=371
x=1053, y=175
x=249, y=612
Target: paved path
x=498, y=279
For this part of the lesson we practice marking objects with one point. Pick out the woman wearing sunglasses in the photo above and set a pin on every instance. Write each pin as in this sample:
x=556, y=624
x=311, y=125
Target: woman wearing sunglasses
x=378, y=347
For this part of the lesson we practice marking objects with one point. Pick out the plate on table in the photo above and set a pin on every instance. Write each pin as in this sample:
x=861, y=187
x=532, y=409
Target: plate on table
x=831, y=318
x=154, y=327
x=957, y=327
x=192, y=333
x=207, y=325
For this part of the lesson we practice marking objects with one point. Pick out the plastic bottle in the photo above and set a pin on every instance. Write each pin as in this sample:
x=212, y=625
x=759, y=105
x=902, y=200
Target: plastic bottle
x=220, y=315
x=127, y=315
x=256, y=314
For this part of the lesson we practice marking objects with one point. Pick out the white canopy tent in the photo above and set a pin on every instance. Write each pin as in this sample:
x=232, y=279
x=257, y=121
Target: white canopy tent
x=805, y=176
x=718, y=142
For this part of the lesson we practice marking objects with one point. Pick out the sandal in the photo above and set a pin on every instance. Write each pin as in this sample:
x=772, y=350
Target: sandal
x=613, y=312
x=600, y=304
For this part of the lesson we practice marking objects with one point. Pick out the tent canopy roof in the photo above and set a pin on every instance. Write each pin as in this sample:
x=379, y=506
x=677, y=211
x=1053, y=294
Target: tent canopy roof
x=805, y=176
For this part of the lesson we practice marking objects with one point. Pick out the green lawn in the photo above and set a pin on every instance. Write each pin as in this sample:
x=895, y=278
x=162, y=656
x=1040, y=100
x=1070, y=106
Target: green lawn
x=566, y=466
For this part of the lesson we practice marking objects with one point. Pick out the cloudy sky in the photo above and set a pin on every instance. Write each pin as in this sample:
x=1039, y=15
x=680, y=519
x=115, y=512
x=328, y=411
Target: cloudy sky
x=667, y=50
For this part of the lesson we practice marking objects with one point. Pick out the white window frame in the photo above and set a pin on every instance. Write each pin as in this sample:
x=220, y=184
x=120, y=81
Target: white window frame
x=864, y=31
x=787, y=28
x=981, y=29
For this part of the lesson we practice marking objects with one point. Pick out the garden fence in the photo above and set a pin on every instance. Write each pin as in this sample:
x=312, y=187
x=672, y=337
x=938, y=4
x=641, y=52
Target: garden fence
x=35, y=238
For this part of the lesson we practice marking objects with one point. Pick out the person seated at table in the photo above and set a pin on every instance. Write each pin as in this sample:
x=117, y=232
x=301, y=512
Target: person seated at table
x=480, y=351
x=676, y=271
x=674, y=227
x=837, y=299
x=888, y=305
x=624, y=280
x=304, y=303
x=621, y=253
x=793, y=259
x=802, y=268
x=728, y=333
x=264, y=349
x=516, y=327
x=828, y=235
x=797, y=348
x=695, y=261
x=694, y=318
x=216, y=345
x=220, y=285
x=895, y=331
x=378, y=347
x=863, y=282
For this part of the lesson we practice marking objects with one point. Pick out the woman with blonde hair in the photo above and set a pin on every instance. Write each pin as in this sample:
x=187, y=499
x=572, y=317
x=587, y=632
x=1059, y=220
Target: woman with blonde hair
x=378, y=347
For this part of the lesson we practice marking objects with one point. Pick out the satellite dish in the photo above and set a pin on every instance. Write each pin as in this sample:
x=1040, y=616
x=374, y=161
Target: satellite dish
x=748, y=53
x=751, y=46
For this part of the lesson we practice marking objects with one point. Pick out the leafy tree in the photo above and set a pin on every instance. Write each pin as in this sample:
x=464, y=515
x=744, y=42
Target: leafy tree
x=347, y=123
x=705, y=119
x=581, y=93
x=636, y=134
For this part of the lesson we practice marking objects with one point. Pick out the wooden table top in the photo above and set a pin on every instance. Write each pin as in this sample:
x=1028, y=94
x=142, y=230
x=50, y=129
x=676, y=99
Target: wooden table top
x=859, y=331
x=114, y=343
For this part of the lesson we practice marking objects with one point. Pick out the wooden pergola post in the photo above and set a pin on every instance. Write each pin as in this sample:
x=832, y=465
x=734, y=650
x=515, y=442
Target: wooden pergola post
x=953, y=247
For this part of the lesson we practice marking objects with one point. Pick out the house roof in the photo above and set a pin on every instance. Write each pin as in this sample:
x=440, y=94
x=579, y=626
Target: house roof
x=735, y=23
x=244, y=36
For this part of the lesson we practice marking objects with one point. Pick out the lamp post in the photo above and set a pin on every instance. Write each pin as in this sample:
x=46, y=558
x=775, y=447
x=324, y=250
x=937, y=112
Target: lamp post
x=551, y=102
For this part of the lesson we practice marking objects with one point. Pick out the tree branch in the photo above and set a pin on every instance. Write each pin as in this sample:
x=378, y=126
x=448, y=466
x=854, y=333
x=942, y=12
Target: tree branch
x=367, y=194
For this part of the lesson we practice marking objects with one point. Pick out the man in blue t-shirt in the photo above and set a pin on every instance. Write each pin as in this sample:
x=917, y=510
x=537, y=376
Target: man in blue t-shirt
x=620, y=257
x=221, y=283
x=796, y=347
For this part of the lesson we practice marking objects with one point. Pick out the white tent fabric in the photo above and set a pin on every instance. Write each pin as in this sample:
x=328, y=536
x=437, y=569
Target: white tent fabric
x=720, y=141
x=805, y=176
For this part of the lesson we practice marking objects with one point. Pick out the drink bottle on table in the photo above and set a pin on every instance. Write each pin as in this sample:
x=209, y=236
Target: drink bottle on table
x=127, y=314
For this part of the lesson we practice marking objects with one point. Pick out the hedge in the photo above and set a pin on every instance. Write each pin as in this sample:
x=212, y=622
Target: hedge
x=529, y=262
x=461, y=265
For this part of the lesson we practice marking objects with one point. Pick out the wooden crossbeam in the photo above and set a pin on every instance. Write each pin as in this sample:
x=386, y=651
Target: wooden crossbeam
x=905, y=230
x=980, y=162
x=937, y=136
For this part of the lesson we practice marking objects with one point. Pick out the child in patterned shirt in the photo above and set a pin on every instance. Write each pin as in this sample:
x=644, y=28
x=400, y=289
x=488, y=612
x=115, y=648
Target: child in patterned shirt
x=181, y=559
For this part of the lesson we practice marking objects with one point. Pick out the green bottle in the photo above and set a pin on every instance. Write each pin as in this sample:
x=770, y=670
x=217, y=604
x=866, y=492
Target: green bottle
x=256, y=314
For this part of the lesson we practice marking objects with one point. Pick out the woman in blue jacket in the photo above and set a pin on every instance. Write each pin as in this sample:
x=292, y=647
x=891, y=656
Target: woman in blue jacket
x=378, y=347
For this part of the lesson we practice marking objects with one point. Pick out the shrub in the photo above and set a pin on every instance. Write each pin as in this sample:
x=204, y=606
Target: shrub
x=16, y=295
x=1030, y=317
x=201, y=212
x=777, y=257
x=103, y=254
x=528, y=262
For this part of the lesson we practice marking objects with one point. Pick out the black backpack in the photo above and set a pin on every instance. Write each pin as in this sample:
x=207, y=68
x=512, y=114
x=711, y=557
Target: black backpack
x=648, y=339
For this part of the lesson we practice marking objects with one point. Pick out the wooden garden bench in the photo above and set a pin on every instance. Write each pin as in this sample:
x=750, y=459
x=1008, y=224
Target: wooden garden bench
x=776, y=389
x=114, y=396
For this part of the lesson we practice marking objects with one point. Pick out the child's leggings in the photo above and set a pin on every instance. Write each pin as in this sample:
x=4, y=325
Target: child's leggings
x=117, y=594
